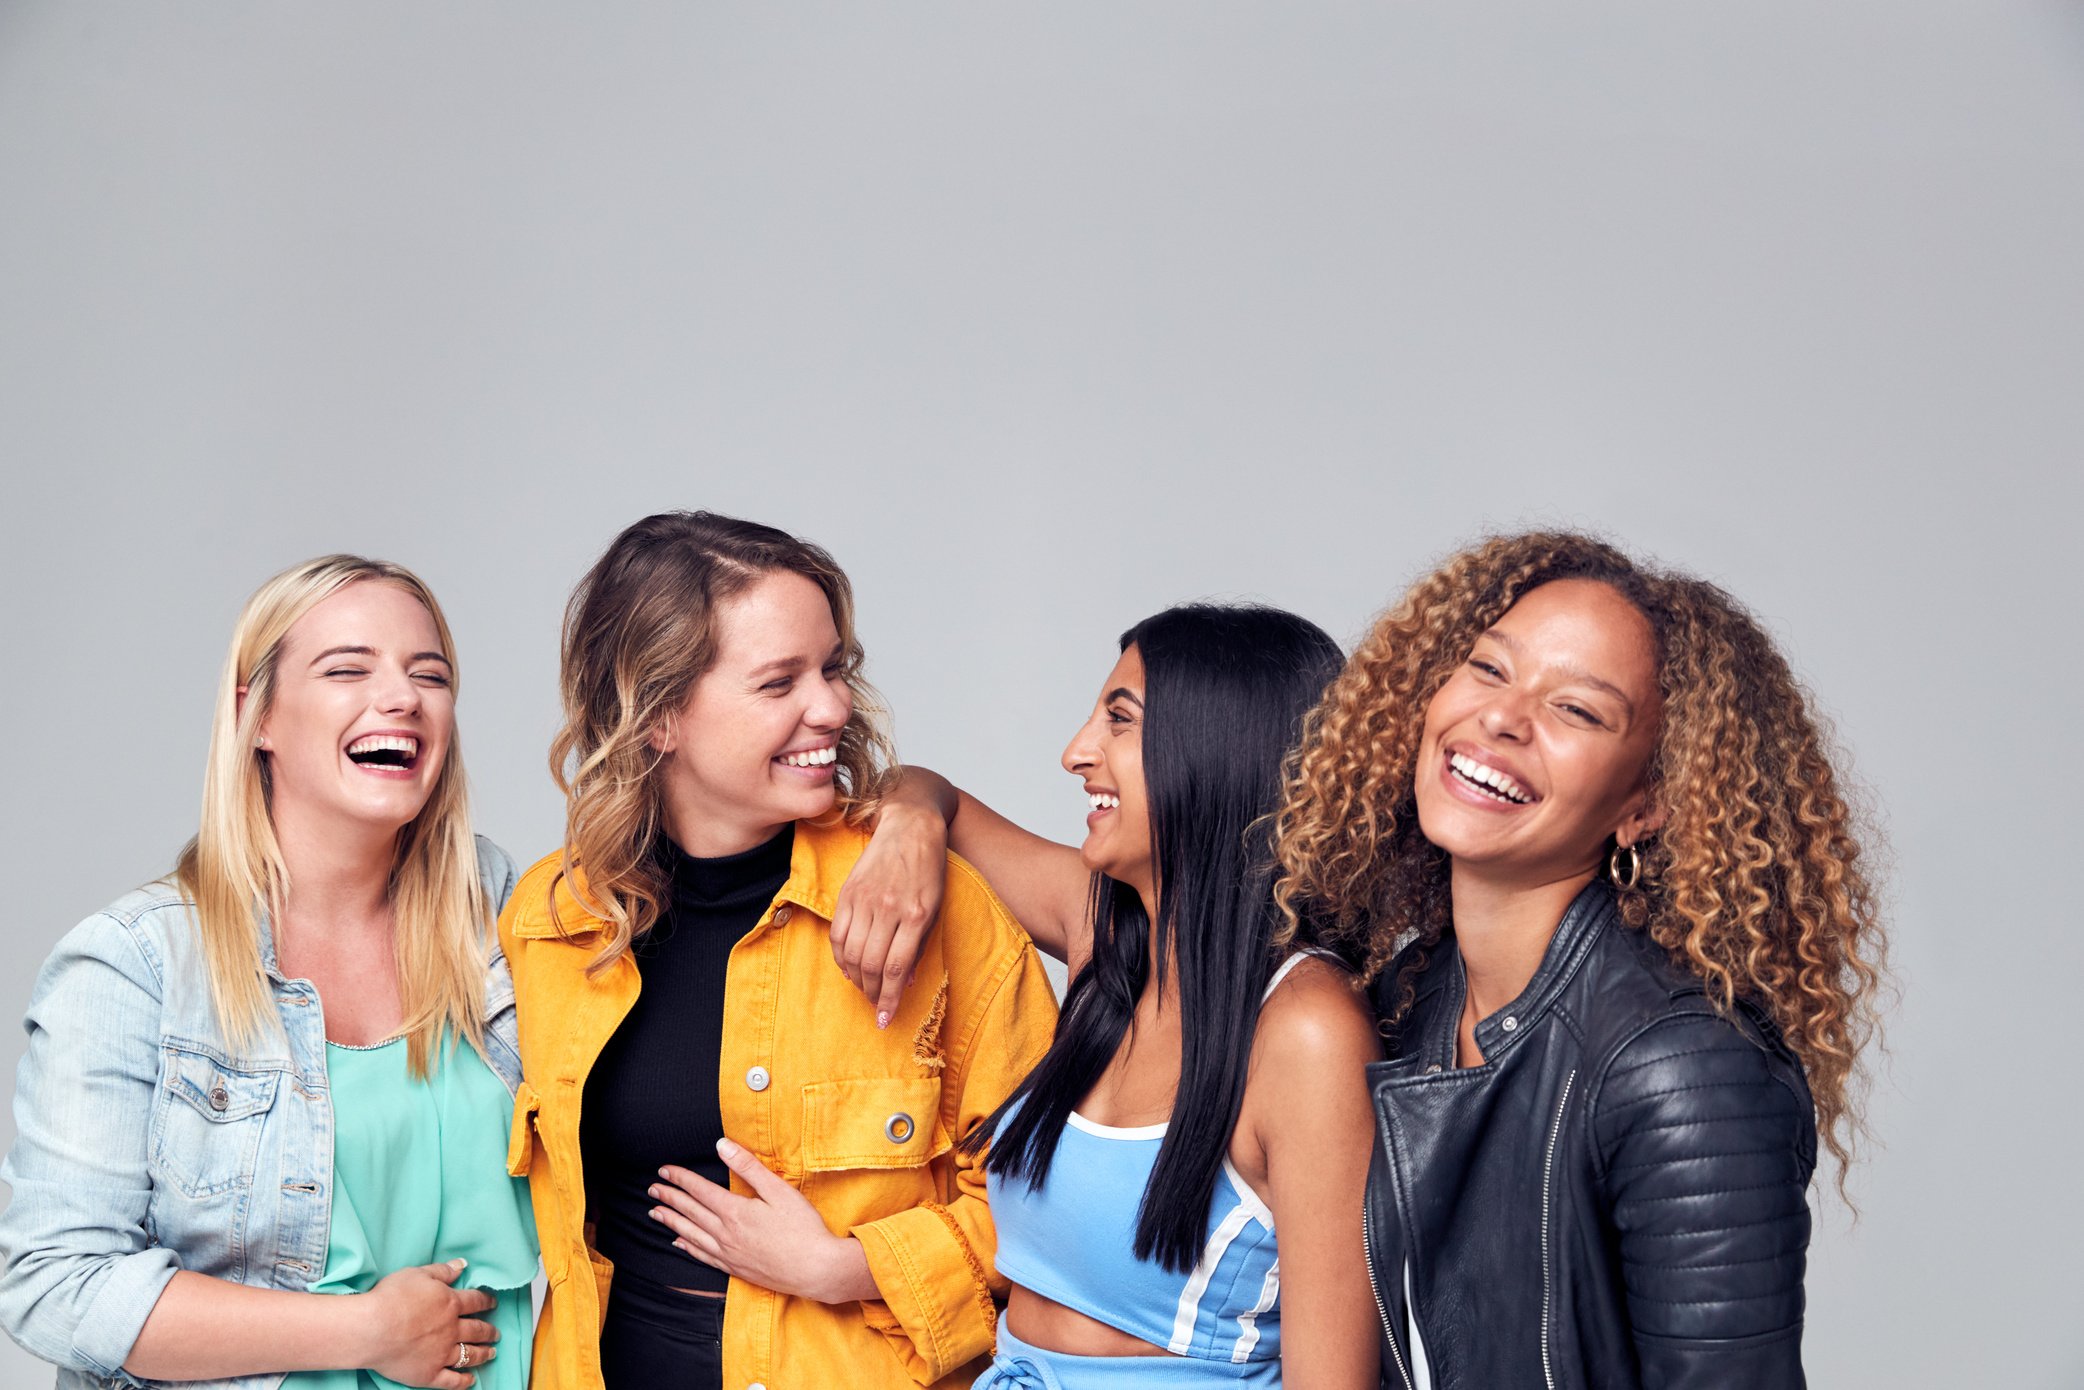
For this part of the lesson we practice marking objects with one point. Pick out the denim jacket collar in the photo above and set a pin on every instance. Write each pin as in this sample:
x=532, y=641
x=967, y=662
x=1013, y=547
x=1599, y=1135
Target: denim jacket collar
x=264, y=934
x=499, y=982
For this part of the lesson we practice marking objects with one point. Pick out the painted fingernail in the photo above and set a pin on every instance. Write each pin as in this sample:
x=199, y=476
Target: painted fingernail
x=883, y=1019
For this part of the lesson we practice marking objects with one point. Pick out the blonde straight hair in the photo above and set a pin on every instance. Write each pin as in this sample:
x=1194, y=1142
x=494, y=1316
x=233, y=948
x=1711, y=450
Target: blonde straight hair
x=233, y=871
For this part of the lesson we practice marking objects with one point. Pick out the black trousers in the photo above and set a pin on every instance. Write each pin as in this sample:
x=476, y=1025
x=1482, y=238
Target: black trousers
x=658, y=1338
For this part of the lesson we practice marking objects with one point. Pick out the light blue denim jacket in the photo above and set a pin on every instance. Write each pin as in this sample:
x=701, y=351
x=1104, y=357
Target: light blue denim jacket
x=145, y=1145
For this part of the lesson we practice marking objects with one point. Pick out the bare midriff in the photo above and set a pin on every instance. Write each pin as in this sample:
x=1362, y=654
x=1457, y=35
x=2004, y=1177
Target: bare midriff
x=1045, y=1323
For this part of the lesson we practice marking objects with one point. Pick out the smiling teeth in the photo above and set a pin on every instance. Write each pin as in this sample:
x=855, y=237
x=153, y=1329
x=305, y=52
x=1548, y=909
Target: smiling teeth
x=383, y=743
x=1102, y=801
x=1489, y=779
x=812, y=757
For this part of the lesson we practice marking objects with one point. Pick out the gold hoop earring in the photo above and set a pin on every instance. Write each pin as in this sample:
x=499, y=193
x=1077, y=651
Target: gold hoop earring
x=1635, y=868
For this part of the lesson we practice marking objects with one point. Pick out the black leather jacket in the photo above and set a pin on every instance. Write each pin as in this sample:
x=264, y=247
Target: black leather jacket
x=1615, y=1198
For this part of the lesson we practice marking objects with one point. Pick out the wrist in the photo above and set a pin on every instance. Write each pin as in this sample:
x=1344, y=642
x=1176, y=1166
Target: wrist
x=843, y=1275
x=918, y=815
x=353, y=1331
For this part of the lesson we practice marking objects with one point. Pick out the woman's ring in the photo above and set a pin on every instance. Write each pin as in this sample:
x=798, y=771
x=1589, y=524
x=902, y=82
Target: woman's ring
x=463, y=1357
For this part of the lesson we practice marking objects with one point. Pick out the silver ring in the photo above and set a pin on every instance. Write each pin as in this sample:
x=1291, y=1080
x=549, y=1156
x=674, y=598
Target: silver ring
x=462, y=1361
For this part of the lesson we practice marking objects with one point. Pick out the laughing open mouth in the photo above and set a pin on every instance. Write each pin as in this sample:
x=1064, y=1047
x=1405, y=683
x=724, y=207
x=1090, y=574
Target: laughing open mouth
x=1488, y=780
x=384, y=750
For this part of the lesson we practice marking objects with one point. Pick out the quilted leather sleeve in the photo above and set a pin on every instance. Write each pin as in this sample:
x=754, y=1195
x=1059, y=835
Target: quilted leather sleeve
x=1705, y=1144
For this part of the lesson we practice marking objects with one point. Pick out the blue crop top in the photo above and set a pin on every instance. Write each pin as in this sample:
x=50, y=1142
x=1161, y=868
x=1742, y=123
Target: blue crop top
x=1072, y=1242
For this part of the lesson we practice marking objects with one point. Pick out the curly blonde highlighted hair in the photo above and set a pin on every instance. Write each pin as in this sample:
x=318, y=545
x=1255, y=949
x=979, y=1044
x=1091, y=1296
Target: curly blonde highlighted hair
x=639, y=631
x=1754, y=882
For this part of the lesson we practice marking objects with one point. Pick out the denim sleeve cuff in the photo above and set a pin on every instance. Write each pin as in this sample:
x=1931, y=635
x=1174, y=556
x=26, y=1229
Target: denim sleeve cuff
x=109, y=1325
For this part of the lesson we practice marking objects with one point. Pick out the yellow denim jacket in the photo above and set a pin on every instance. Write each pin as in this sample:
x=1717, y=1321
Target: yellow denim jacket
x=861, y=1121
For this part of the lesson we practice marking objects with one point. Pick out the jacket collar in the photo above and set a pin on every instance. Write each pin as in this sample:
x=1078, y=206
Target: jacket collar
x=264, y=934
x=823, y=854
x=1584, y=922
x=499, y=994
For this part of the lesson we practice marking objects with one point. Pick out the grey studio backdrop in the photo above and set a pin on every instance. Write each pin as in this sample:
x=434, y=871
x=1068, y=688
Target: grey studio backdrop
x=1043, y=317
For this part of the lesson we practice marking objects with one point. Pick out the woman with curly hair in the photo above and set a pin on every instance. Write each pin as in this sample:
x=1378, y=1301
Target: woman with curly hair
x=1581, y=819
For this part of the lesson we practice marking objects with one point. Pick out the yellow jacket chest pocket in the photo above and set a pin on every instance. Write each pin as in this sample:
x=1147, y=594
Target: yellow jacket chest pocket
x=873, y=1123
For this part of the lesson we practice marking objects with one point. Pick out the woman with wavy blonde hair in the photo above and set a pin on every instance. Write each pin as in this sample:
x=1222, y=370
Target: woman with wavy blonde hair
x=742, y=1175
x=288, y=1069
x=1581, y=819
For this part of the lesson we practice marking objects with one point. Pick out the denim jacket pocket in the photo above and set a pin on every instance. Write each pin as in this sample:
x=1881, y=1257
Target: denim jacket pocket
x=207, y=1120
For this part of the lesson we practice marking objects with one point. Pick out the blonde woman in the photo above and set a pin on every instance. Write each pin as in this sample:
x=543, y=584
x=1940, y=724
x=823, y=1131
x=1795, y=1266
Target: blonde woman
x=740, y=1179
x=263, y=1112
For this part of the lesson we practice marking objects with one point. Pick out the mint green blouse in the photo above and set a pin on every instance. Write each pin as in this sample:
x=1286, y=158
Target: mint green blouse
x=420, y=1176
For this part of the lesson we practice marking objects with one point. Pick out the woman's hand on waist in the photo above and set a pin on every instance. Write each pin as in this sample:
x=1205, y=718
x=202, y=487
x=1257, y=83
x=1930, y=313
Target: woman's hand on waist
x=419, y=1327
x=774, y=1238
x=411, y=1327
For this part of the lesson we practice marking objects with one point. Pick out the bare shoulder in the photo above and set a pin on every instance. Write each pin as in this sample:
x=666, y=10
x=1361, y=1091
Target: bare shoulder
x=1307, y=1090
x=1316, y=1016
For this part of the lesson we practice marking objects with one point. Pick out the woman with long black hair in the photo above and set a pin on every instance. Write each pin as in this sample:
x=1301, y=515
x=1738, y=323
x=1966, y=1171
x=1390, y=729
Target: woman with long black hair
x=1204, y=1093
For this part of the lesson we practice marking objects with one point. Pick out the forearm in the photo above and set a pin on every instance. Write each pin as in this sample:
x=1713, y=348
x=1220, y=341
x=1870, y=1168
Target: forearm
x=210, y=1329
x=891, y=898
x=921, y=790
x=847, y=1278
x=1017, y=863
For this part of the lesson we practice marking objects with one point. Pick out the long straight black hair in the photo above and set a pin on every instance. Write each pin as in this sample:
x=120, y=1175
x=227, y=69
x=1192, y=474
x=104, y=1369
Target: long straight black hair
x=1225, y=691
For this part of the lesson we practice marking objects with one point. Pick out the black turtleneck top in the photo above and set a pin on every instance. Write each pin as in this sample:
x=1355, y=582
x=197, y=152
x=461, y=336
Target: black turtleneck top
x=651, y=1097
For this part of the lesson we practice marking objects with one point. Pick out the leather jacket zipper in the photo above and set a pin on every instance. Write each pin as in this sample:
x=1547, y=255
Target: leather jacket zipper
x=1548, y=1179
x=1367, y=1239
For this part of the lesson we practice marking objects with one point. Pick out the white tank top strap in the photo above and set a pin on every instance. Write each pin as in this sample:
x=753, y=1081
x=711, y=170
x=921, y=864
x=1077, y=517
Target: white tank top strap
x=1295, y=958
